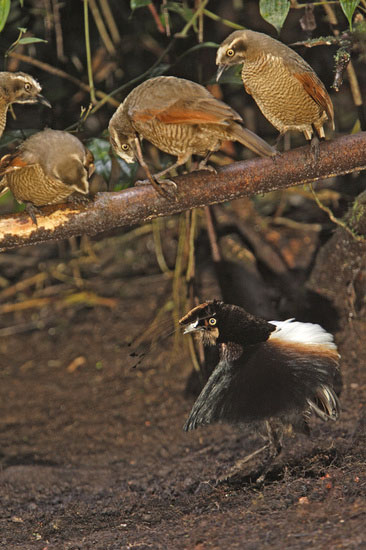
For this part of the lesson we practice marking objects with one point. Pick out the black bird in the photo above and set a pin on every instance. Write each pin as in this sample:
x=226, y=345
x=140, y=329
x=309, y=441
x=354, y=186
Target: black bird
x=277, y=372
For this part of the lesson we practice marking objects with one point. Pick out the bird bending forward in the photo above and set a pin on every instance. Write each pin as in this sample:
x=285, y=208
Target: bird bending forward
x=47, y=168
x=277, y=372
x=179, y=117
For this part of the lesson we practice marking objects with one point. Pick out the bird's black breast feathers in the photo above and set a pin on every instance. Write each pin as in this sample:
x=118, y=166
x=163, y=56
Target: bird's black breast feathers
x=267, y=380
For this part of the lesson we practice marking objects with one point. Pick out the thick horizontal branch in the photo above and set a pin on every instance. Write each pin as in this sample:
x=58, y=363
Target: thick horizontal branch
x=140, y=204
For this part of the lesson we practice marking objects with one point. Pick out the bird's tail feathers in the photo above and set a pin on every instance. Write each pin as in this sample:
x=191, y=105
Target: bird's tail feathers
x=252, y=141
x=325, y=403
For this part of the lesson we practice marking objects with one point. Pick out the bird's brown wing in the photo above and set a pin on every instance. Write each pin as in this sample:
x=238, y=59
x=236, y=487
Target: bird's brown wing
x=315, y=88
x=179, y=101
x=188, y=112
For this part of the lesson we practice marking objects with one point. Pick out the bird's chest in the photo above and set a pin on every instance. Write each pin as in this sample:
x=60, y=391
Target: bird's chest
x=175, y=139
x=279, y=95
x=30, y=184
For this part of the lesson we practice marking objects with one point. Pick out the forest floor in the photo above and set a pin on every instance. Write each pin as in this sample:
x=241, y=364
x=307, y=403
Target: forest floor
x=93, y=456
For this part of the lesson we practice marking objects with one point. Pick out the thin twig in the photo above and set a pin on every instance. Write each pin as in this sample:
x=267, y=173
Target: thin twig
x=156, y=18
x=196, y=14
x=337, y=221
x=57, y=72
x=108, y=16
x=226, y=22
x=101, y=27
x=156, y=224
x=88, y=52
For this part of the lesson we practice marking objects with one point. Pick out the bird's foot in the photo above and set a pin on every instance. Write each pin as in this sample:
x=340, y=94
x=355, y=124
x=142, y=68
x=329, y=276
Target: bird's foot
x=78, y=199
x=165, y=187
x=32, y=210
x=203, y=166
x=238, y=466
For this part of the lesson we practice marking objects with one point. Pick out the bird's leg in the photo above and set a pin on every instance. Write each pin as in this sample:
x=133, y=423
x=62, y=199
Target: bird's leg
x=278, y=139
x=275, y=448
x=157, y=185
x=32, y=210
x=311, y=135
x=203, y=164
x=238, y=466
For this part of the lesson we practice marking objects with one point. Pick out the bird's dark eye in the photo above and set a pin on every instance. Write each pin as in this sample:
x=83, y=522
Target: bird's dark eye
x=212, y=321
x=230, y=52
x=27, y=87
x=125, y=147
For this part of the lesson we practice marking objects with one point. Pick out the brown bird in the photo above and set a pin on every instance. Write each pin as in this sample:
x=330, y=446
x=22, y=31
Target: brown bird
x=179, y=117
x=18, y=88
x=47, y=168
x=284, y=86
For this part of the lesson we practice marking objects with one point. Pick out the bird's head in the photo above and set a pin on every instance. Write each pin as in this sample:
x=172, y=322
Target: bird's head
x=122, y=136
x=21, y=88
x=232, y=51
x=215, y=322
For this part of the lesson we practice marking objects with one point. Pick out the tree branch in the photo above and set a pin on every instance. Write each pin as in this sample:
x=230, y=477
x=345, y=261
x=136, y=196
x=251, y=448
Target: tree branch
x=139, y=204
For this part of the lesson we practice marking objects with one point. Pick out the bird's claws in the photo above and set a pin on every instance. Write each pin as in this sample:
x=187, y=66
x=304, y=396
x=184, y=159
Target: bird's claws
x=32, y=210
x=207, y=167
x=165, y=187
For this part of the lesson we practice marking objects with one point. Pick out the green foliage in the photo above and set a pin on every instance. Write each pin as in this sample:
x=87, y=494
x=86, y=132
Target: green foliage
x=4, y=12
x=20, y=40
x=274, y=12
x=348, y=7
x=181, y=9
x=134, y=4
x=30, y=40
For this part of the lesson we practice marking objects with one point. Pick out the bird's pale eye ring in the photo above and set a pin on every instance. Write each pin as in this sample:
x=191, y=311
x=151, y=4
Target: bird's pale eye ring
x=125, y=147
x=230, y=52
x=212, y=321
x=27, y=87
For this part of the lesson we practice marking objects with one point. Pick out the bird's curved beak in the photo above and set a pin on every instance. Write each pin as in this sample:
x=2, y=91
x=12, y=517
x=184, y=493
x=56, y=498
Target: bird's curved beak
x=192, y=327
x=91, y=169
x=220, y=70
x=43, y=100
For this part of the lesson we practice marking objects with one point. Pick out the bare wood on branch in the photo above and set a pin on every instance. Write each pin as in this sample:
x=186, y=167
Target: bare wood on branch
x=140, y=204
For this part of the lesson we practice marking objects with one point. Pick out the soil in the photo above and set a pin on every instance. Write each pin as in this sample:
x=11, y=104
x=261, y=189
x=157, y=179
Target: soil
x=93, y=455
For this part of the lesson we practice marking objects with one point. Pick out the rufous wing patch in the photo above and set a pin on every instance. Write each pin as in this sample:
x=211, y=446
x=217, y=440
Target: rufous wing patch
x=176, y=115
x=313, y=86
x=9, y=163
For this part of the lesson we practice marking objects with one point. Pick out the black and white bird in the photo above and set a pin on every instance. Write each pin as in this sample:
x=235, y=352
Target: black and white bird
x=277, y=372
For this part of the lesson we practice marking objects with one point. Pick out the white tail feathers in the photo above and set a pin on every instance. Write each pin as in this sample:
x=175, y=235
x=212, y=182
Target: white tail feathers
x=302, y=333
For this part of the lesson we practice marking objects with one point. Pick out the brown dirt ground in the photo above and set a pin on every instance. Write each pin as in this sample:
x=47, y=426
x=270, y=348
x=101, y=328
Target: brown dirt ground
x=96, y=458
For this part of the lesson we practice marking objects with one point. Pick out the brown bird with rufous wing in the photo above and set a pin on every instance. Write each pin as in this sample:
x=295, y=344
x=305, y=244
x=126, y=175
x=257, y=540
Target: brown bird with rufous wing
x=48, y=168
x=286, y=89
x=181, y=118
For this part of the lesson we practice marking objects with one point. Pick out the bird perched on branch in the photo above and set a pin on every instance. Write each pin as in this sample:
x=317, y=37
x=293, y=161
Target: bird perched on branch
x=277, y=372
x=285, y=88
x=18, y=88
x=179, y=117
x=48, y=168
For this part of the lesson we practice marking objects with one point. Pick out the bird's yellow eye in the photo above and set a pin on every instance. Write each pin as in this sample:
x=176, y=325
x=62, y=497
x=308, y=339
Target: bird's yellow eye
x=230, y=52
x=27, y=87
x=125, y=147
x=212, y=321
